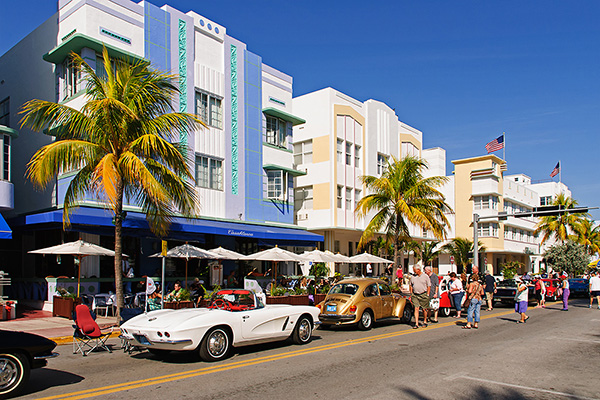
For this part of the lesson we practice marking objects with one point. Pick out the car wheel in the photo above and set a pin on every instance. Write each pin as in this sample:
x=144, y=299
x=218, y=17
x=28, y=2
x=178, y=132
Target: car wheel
x=14, y=373
x=366, y=321
x=159, y=353
x=303, y=331
x=407, y=315
x=445, y=311
x=215, y=345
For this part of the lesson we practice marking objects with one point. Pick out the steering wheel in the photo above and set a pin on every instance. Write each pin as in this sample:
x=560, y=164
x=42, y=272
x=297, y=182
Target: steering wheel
x=221, y=304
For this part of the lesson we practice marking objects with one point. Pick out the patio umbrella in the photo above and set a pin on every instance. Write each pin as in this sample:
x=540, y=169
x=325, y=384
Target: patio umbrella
x=317, y=255
x=339, y=257
x=366, y=258
x=77, y=249
x=225, y=254
x=188, y=251
x=274, y=254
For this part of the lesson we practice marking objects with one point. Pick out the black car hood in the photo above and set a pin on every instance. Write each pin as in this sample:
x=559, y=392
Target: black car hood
x=32, y=343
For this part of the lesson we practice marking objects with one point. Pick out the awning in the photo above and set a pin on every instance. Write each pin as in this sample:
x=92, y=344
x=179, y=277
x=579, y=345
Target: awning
x=5, y=232
x=98, y=220
x=77, y=41
x=274, y=112
x=291, y=171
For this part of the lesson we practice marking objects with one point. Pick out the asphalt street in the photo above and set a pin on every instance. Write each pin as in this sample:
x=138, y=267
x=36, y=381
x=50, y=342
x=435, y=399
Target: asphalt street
x=555, y=355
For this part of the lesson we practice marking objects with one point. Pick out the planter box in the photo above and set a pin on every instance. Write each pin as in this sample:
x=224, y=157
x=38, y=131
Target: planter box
x=204, y=303
x=64, y=306
x=176, y=305
x=319, y=297
x=295, y=300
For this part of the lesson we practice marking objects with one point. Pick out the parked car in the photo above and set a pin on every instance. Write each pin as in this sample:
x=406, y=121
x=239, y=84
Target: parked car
x=446, y=301
x=235, y=317
x=552, y=286
x=19, y=353
x=579, y=287
x=506, y=290
x=363, y=301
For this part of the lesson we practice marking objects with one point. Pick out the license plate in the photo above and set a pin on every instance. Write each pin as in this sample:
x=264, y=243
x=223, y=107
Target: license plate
x=142, y=339
x=331, y=308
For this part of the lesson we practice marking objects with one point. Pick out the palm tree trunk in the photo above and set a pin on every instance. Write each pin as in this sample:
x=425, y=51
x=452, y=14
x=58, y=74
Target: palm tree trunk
x=119, y=249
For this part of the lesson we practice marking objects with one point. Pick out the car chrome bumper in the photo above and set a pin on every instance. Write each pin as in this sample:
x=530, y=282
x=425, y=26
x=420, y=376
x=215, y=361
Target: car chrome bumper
x=336, y=318
x=144, y=341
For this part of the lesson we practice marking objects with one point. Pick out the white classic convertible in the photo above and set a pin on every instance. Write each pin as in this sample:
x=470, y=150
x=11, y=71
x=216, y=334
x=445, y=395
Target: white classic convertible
x=235, y=317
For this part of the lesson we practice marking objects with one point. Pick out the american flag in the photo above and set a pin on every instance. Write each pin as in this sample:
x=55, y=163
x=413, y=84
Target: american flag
x=495, y=145
x=555, y=171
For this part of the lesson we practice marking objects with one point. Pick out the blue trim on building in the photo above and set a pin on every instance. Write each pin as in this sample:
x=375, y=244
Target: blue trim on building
x=157, y=37
x=5, y=232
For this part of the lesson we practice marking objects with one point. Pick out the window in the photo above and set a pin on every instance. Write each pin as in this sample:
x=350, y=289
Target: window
x=381, y=163
x=409, y=149
x=488, y=229
x=304, y=198
x=70, y=77
x=544, y=201
x=209, y=109
x=507, y=233
x=303, y=152
x=339, y=197
x=336, y=246
x=384, y=290
x=357, y=196
x=357, y=156
x=275, y=188
x=276, y=131
x=348, y=199
x=485, y=202
x=348, y=153
x=209, y=173
x=5, y=112
x=340, y=150
x=6, y=158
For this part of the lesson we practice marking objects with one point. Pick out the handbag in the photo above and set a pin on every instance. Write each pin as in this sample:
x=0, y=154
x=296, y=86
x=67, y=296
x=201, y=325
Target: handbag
x=434, y=304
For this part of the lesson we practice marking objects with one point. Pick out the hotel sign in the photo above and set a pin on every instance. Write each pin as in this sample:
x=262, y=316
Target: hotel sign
x=234, y=232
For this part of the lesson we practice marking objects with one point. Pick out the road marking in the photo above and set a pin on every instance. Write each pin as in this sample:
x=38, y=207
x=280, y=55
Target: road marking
x=574, y=340
x=84, y=394
x=487, y=381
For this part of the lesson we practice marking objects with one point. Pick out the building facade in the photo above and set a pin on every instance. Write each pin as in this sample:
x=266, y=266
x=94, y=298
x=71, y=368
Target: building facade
x=242, y=161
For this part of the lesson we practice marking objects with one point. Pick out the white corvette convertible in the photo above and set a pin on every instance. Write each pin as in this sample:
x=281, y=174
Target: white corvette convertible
x=236, y=317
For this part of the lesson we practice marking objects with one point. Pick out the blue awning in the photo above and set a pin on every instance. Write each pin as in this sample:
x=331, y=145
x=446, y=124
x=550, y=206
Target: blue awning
x=97, y=220
x=5, y=232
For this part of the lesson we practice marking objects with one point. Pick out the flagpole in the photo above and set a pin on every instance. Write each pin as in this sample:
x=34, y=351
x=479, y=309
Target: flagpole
x=504, y=148
x=559, y=171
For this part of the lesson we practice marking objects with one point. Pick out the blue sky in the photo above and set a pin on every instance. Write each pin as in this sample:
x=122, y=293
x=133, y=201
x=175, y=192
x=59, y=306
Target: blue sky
x=462, y=72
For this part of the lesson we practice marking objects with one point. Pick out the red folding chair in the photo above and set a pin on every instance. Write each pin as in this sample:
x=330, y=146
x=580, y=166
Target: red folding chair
x=88, y=336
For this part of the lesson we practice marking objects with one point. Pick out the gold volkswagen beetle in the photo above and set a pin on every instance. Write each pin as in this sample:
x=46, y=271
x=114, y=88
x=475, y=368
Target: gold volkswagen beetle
x=362, y=301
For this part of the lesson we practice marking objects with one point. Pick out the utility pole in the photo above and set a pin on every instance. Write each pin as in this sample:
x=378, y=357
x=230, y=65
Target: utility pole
x=475, y=240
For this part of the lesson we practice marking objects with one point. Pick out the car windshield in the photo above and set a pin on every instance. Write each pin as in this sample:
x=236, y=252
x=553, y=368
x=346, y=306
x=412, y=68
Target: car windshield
x=235, y=298
x=508, y=282
x=344, y=288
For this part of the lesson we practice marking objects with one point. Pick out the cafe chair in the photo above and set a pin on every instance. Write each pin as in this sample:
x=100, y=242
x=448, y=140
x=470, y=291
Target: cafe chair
x=87, y=336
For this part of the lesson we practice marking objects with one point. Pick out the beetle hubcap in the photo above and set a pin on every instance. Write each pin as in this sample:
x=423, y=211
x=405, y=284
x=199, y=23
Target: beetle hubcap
x=366, y=319
x=304, y=330
x=9, y=372
x=217, y=343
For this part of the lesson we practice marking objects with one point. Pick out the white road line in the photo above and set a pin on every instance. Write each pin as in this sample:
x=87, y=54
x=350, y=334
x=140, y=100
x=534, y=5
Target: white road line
x=573, y=340
x=573, y=396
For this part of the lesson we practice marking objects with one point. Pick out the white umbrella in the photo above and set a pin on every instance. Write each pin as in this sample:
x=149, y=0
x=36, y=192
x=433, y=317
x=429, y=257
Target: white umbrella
x=274, y=254
x=317, y=255
x=188, y=251
x=339, y=257
x=365, y=258
x=77, y=249
x=225, y=254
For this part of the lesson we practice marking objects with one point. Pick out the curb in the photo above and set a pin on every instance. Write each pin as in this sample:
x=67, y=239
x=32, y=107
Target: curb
x=69, y=339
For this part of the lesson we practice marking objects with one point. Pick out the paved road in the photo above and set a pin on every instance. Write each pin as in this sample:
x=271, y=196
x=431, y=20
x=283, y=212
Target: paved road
x=556, y=355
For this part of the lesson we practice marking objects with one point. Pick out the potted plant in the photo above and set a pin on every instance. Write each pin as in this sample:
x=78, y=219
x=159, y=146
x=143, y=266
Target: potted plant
x=64, y=304
x=279, y=296
x=181, y=301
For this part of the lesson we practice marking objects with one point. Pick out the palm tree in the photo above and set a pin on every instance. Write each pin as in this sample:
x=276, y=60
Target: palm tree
x=462, y=251
x=402, y=196
x=120, y=145
x=426, y=252
x=560, y=226
x=588, y=235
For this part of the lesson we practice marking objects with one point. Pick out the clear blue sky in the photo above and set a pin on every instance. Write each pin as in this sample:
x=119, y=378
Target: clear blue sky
x=462, y=72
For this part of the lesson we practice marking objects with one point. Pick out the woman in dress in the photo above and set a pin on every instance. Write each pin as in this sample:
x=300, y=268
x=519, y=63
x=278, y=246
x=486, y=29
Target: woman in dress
x=457, y=292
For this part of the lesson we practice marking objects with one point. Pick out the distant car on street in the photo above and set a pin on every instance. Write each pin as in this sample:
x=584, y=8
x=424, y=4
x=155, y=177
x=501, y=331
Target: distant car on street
x=579, y=287
x=362, y=301
x=506, y=290
x=19, y=353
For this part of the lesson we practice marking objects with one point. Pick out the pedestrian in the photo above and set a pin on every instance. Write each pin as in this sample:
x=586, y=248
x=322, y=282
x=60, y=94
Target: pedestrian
x=490, y=289
x=475, y=292
x=457, y=292
x=542, y=294
x=127, y=273
x=565, y=292
x=538, y=290
x=369, y=270
x=420, y=285
x=434, y=293
x=463, y=279
x=521, y=299
x=594, y=289
x=474, y=273
x=399, y=275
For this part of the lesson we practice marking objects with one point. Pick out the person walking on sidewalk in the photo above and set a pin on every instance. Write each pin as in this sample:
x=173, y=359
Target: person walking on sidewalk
x=457, y=292
x=490, y=289
x=594, y=289
x=521, y=300
x=433, y=294
x=566, y=292
x=475, y=292
x=420, y=284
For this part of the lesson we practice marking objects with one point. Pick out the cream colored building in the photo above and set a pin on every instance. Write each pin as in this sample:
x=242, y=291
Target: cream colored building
x=342, y=140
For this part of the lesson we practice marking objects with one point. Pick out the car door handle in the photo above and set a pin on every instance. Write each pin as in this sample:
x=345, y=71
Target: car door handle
x=245, y=317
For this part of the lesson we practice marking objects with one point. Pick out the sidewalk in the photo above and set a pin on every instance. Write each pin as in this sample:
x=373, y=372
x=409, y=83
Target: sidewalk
x=58, y=329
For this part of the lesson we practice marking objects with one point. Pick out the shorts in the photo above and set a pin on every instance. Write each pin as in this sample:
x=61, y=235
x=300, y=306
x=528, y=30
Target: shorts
x=521, y=306
x=420, y=300
x=489, y=296
x=595, y=293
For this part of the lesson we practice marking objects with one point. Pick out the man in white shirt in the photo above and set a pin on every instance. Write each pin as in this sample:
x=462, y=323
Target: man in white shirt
x=594, y=289
x=369, y=270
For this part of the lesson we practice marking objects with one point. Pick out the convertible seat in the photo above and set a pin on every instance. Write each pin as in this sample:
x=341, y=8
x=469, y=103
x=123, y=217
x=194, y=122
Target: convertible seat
x=87, y=336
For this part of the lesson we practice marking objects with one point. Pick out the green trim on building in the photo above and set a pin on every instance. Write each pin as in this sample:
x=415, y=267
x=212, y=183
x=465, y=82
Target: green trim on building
x=277, y=147
x=291, y=171
x=234, y=121
x=183, y=76
x=9, y=131
x=283, y=115
x=77, y=41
